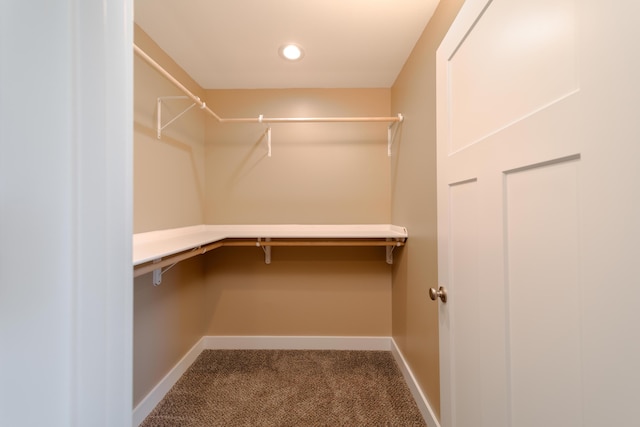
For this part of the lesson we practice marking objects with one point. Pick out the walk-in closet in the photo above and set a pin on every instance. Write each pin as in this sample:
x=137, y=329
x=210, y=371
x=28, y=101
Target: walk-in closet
x=277, y=212
x=336, y=212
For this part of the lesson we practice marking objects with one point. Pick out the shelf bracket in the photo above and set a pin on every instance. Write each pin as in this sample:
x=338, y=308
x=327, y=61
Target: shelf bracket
x=266, y=249
x=390, y=250
x=158, y=272
x=159, y=126
x=268, y=134
x=269, y=141
x=392, y=131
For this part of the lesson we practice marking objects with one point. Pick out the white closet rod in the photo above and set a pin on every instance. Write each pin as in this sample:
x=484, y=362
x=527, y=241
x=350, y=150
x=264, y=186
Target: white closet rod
x=173, y=80
x=260, y=119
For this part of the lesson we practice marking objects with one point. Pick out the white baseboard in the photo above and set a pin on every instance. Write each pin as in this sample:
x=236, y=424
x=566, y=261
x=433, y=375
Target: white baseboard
x=296, y=343
x=421, y=400
x=154, y=397
x=144, y=408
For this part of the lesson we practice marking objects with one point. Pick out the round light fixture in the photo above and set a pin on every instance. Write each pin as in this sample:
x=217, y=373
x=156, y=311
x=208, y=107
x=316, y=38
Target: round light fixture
x=291, y=52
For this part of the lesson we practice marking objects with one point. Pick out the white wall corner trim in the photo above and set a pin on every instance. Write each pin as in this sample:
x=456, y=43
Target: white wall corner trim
x=421, y=400
x=144, y=408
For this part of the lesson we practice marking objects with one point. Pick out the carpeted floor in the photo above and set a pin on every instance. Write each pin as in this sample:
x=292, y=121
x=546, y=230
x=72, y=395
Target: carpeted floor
x=289, y=388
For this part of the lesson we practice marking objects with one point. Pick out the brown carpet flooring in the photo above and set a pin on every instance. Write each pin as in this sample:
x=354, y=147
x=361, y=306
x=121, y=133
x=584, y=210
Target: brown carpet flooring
x=289, y=388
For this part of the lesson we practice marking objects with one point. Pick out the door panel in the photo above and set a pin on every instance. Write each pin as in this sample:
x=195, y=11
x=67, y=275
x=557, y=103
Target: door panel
x=538, y=207
x=543, y=320
x=464, y=261
x=518, y=58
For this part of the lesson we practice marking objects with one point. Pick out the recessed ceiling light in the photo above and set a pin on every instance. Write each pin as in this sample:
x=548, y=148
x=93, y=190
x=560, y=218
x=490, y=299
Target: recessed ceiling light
x=291, y=52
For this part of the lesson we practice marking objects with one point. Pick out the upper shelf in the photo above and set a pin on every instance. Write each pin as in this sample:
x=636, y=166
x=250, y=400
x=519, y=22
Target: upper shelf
x=155, y=245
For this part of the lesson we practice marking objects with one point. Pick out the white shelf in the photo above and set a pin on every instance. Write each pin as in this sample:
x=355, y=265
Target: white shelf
x=155, y=245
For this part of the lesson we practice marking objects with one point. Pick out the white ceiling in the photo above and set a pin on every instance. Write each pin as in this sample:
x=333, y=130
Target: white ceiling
x=233, y=44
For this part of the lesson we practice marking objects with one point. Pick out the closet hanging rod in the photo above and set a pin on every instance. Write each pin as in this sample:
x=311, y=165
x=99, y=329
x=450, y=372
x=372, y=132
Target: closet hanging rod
x=175, y=81
x=313, y=119
x=261, y=119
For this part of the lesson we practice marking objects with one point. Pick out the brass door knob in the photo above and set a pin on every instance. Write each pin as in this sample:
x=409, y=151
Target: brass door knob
x=440, y=293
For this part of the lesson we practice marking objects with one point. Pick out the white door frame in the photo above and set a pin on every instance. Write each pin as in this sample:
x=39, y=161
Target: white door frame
x=66, y=146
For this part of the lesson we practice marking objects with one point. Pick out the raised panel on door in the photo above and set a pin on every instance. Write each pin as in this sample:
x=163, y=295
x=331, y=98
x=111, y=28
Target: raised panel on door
x=543, y=294
x=517, y=58
x=466, y=315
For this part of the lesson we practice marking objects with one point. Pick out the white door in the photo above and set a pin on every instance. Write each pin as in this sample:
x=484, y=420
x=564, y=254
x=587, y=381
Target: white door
x=539, y=214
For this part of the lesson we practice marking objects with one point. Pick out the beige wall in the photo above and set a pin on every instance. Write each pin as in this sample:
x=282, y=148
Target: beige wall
x=168, y=320
x=413, y=183
x=318, y=173
x=304, y=291
x=168, y=193
x=168, y=183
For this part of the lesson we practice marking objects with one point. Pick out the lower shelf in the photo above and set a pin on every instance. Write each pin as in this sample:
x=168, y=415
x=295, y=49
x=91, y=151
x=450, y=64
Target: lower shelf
x=266, y=244
x=158, y=250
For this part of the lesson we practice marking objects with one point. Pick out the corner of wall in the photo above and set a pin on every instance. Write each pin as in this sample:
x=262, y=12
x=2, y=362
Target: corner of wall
x=168, y=193
x=413, y=204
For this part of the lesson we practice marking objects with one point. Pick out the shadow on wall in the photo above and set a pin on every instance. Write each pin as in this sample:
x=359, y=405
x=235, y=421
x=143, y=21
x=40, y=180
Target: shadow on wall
x=304, y=291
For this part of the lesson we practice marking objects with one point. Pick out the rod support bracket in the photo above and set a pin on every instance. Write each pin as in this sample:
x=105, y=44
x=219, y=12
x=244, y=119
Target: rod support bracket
x=392, y=131
x=391, y=248
x=159, y=126
x=266, y=249
x=157, y=273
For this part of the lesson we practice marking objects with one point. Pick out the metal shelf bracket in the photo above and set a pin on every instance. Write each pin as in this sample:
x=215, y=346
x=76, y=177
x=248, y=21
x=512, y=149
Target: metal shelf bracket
x=392, y=131
x=158, y=272
x=268, y=134
x=159, y=126
x=390, y=250
x=266, y=249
